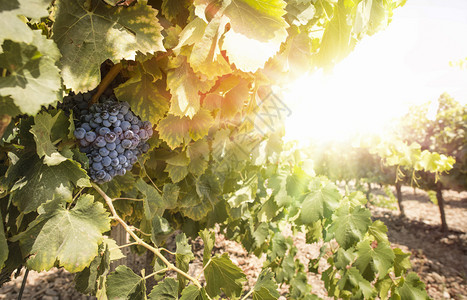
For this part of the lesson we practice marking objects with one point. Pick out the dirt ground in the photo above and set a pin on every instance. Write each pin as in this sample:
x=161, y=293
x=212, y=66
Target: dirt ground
x=440, y=260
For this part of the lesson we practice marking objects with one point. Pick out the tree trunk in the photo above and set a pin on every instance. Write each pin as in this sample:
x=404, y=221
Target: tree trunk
x=439, y=197
x=399, y=198
x=368, y=192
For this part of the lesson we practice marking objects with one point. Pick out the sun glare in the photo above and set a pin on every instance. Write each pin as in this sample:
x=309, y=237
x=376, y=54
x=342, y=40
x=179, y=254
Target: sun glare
x=406, y=64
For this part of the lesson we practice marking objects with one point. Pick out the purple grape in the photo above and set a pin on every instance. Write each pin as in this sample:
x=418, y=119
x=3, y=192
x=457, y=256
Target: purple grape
x=118, y=130
x=103, y=151
x=122, y=159
x=90, y=136
x=96, y=157
x=129, y=134
x=129, y=117
x=113, y=119
x=100, y=174
x=86, y=126
x=106, y=161
x=103, y=130
x=105, y=115
x=100, y=142
x=97, y=166
x=110, y=146
x=106, y=123
x=126, y=144
x=79, y=133
x=115, y=162
x=113, y=154
x=125, y=125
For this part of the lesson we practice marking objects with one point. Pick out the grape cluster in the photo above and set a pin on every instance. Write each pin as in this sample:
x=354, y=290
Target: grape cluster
x=111, y=135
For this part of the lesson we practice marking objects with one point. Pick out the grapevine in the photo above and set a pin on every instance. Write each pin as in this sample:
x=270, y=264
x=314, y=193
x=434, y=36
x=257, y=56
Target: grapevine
x=156, y=115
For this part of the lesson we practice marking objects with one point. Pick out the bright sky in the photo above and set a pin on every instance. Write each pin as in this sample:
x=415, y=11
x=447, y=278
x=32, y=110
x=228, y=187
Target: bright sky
x=408, y=63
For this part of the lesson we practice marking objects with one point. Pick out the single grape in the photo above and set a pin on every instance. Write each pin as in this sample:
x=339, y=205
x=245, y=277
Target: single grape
x=106, y=123
x=106, y=161
x=90, y=136
x=122, y=159
x=97, y=166
x=135, y=128
x=129, y=117
x=135, y=121
x=129, y=134
x=100, y=174
x=124, y=109
x=105, y=115
x=97, y=120
x=83, y=143
x=113, y=119
x=145, y=147
x=113, y=154
x=100, y=142
x=126, y=144
x=103, y=130
x=93, y=124
x=118, y=130
x=129, y=154
x=143, y=134
x=110, y=137
x=86, y=126
x=115, y=162
x=79, y=133
x=125, y=125
x=107, y=178
x=103, y=151
x=110, y=146
x=120, y=116
x=121, y=172
x=96, y=157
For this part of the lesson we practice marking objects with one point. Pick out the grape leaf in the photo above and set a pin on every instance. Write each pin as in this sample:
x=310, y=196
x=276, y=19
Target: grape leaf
x=144, y=97
x=89, y=32
x=183, y=256
x=160, y=229
x=124, y=284
x=208, y=240
x=401, y=262
x=184, y=85
x=35, y=183
x=354, y=278
x=165, y=290
x=175, y=9
x=176, y=130
x=32, y=71
x=320, y=203
x=177, y=167
x=265, y=287
x=13, y=27
x=337, y=41
x=7, y=106
x=68, y=236
x=86, y=280
x=350, y=225
x=412, y=288
x=258, y=20
x=41, y=130
x=170, y=195
x=233, y=101
x=206, y=54
x=198, y=154
x=3, y=244
x=300, y=13
x=370, y=261
x=222, y=274
x=152, y=201
x=193, y=293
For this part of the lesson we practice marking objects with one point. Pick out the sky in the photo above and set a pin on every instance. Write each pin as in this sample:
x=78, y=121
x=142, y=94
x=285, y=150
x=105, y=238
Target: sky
x=406, y=64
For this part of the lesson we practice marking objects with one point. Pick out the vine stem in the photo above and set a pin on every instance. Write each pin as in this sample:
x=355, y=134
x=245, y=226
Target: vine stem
x=248, y=294
x=109, y=77
x=23, y=284
x=140, y=242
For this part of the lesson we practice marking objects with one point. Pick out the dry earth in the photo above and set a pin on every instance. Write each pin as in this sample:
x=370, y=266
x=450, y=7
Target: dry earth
x=440, y=260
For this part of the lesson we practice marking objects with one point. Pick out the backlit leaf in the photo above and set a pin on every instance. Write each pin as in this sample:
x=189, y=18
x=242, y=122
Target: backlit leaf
x=222, y=274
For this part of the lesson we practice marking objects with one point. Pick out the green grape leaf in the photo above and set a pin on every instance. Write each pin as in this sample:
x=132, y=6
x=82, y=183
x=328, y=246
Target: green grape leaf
x=320, y=203
x=299, y=286
x=200, y=124
x=152, y=201
x=257, y=19
x=172, y=9
x=350, y=225
x=233, y=101
x=192, y=33
x=206, y=56
x=43, y=124
x=355, y=279
x=198, y=153
x=300, y=13
x=124, y=284
x=86, y=280
x=160, y=229
x=265, y=287
x=337, y=41
x=371, y=261
x=32, y=71
x=8, y=107
x=174, y=130
x=3, y=244
x=13, y=27
x=222, y=274
x=170, y=195
x=412, y=288
x=401, y=262
x=183, y=256
x=70, y=237
x=379, y=231
x=177, y=167
x=35, y=183
x=114, y=251
x=191, y=292
x=259, y=28
x=95, y=32
x=184, y=85
x=144, y=97
x=208, y=240
x=165, y=290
